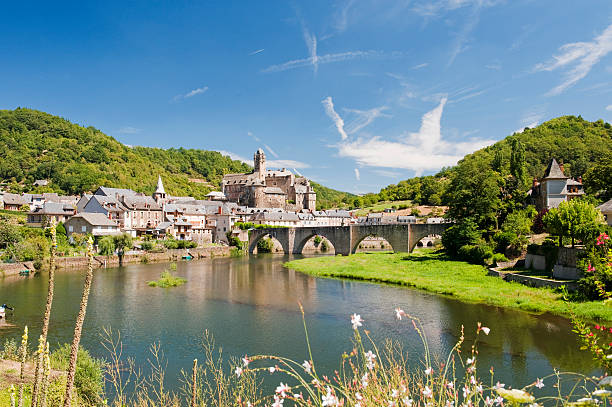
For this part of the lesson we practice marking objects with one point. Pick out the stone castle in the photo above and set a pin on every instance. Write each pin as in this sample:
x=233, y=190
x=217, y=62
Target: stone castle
x=268, y=188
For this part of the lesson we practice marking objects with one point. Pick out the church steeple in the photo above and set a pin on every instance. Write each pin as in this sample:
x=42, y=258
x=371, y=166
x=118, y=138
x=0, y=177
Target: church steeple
x=160, y=192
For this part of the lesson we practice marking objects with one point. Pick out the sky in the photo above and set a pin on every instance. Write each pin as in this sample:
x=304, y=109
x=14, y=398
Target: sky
x=354, y=94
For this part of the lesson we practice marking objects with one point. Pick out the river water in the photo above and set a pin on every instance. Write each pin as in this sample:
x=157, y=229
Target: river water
x=250, y=305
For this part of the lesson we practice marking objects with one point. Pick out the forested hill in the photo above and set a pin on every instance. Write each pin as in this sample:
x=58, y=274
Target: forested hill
x=36, y=145
x=585, y=149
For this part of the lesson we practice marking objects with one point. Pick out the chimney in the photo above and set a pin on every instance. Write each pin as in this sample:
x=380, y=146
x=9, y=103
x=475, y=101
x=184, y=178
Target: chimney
x=220, y=210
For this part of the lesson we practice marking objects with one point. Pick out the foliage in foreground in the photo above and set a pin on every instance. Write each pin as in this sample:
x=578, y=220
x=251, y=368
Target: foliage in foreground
x=437, y=273
x=369, y=375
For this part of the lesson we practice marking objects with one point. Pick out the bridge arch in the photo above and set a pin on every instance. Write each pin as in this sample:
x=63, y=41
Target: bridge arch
x=383, y=245
x=279, y=234
x=300, y=245
x=422, y=231
x=303, y=235
x=396, y=235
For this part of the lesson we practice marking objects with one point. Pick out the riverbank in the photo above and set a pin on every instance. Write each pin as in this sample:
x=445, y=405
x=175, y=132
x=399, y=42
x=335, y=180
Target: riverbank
x=9, y=269
x=436, y=273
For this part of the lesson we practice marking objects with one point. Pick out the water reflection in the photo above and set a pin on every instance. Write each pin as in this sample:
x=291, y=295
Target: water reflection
x=250, y=304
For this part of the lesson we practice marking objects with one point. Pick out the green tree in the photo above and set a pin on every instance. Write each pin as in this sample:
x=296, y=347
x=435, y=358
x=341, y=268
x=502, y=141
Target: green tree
x=463, y=233
x=517, y=162
x=122, y=242
x=518, y=226
x=598, y=180
x=106, y=246
x=474, y=193
x=576, y=219
x=9, y=234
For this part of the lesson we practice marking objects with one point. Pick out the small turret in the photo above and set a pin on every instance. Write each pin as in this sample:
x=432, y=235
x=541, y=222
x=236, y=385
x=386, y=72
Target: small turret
x=160, y=193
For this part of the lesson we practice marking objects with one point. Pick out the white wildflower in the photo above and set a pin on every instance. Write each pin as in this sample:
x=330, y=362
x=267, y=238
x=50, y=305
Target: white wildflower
x=356, y=320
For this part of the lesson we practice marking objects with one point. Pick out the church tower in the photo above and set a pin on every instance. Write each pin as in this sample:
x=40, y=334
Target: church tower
x=160, y=194
x=260, y=164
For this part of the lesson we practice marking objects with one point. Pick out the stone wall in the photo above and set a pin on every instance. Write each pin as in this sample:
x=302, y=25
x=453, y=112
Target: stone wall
x=113, y=261
x=533, y=281
x=535, y=262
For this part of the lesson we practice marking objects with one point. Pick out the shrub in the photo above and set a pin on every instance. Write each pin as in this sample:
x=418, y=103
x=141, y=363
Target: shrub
x=89, y=377
x=171, y=244
x=498, y=258
x=167, y=280
x=265, y=245
x=10, y=351
x=324, y=246
x=461, y=234
x=37, y=264
x=146, y=245
x=477, y=254
x=503, y=240
x=317, y=240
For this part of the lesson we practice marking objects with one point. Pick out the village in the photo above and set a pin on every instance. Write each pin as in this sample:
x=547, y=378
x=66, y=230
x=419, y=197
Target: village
x=263, y=197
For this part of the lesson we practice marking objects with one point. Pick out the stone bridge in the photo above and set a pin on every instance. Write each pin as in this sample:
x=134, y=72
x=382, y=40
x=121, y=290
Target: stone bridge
x=346, y=239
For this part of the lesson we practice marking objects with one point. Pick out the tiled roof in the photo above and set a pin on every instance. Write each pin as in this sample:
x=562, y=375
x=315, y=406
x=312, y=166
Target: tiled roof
x=606, y=206
x=94, y=219
x=554, y=171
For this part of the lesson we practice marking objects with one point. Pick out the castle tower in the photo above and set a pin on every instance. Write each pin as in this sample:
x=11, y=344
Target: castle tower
x=260, y=164
x=160, y=193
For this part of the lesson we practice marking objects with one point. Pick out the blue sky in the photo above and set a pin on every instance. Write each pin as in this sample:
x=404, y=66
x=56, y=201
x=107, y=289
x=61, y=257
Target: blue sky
x=355, y=94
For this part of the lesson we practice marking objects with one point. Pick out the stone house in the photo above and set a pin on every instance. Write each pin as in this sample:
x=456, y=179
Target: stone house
x=96, y=224
x=606, y=209
x=263, y=188
x=41, y=217
x=554, y=188
x=14, y=202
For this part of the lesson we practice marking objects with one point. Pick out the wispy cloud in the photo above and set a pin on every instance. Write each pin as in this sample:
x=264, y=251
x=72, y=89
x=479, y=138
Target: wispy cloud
x=364, y=118
x=322, y=59
x=270, y=163
x=531, y=118
x=192, y=93
x=421, y=151
x=609, y=108
x=328, y=104
x=583, y=55
x=342, y=15
x=357, y=175
x=495, y=66
x=311, y=44
x=387, y=173
x=271, y=151
x=256, y=52
x=420, y=66
x=254, y=137
x=129, y=130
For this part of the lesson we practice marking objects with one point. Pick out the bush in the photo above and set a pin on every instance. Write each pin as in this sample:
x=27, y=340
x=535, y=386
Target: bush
x=477, y=254
x=461, y=234
x=503, y=240
x=317, y=240
x=265, y=246
x=498, y=258
x=146, y=245
x=10, y=351
x=324, y=246
x=171, y=244
x=37, y=264
x=89, y=377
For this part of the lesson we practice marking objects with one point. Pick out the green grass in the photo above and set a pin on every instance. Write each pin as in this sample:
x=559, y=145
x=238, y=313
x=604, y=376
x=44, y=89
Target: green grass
x=380, y=206
x=434, y=272
x=167, y=280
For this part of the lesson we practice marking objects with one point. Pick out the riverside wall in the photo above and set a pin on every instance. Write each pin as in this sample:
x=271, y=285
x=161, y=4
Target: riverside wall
x=8, y=269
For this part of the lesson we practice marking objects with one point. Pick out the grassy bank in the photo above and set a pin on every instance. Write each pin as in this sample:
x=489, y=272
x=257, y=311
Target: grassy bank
x=436, y=273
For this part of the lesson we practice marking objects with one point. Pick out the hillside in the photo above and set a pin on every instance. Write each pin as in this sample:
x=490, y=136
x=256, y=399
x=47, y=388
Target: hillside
x=36, y=145
x=584, y=147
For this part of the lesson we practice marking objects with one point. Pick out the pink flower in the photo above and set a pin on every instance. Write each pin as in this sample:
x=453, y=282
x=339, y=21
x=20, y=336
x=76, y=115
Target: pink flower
x=399, y=313
x=539, y=383
x=238, y=371
x=282, y=389
x=590, y=268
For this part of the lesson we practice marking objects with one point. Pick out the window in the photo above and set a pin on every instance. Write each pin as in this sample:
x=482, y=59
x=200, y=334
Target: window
x=83, y=229
x=70, y=228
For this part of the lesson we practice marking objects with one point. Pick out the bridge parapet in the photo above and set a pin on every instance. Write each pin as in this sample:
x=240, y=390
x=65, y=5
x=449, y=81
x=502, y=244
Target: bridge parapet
x=346, y=239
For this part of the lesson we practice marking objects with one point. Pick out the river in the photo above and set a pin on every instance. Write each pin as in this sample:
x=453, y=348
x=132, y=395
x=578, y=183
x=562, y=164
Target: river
x=250, y=305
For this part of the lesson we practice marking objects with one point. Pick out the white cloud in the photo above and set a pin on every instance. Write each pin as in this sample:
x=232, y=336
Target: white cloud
x=257, y=52
x=236, y=157
x=129, y=130
x=357, y=176
x=196, y=91
x=329, y=109
x=286, y=164
x=271, y=151
x=584, y=55
x=270, y=163
x=496, y=66
x=315, y=61
x=311, y=44
x=364, y=118
x=419, y=66
x=342, y=15
x=253, y=136
x=425, y=150
x=609, y=108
